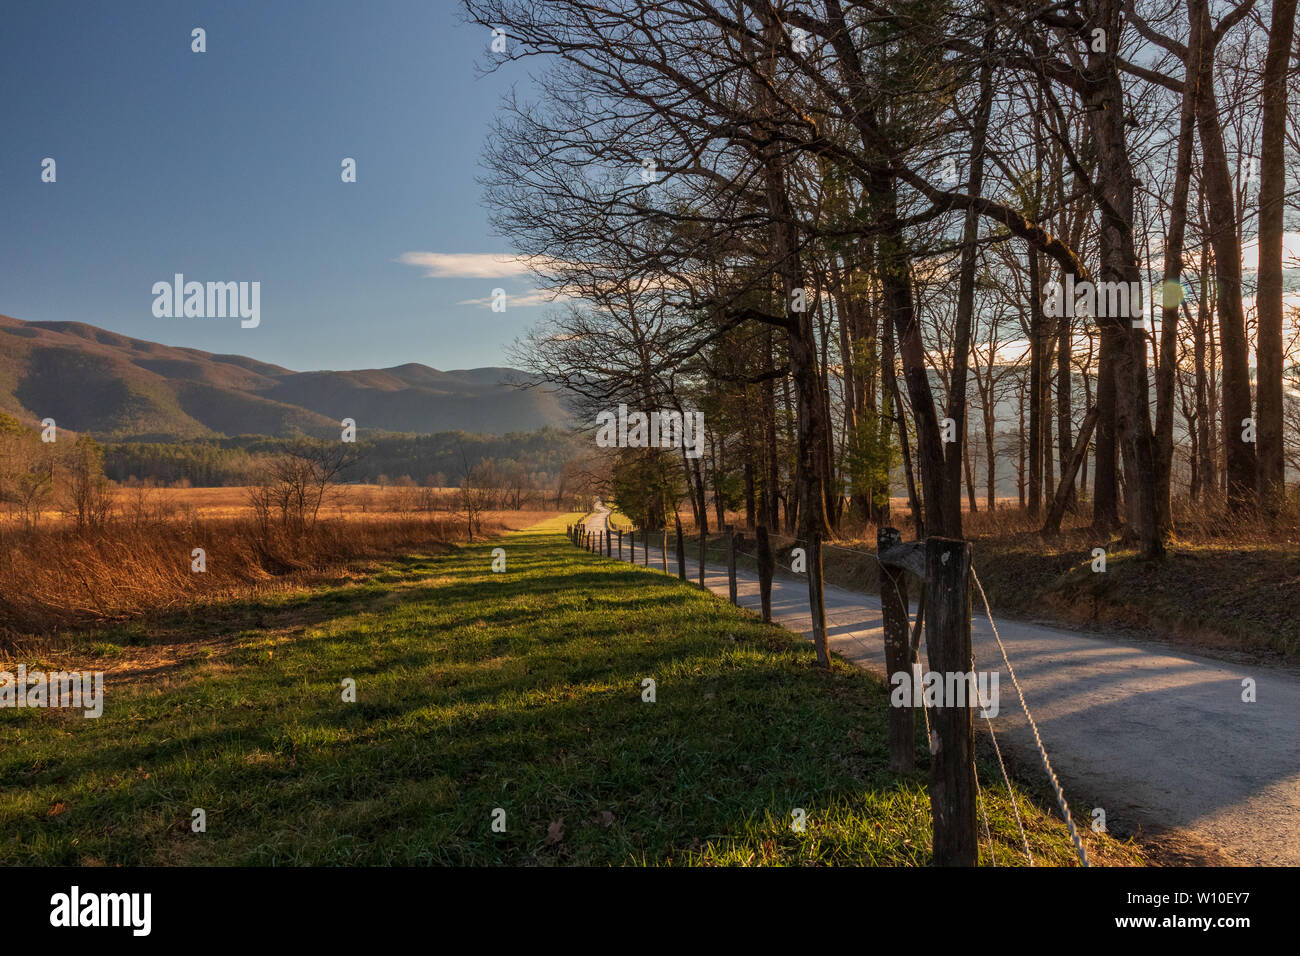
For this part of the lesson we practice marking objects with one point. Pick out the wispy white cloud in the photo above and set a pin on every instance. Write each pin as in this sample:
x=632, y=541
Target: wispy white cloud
x=468, y=265
x=534, y=297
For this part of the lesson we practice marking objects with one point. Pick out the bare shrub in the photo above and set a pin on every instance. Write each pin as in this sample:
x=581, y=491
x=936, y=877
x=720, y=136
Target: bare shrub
x=294, y=485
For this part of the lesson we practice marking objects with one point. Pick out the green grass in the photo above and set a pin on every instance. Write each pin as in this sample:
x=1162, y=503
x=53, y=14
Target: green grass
x=476, y=691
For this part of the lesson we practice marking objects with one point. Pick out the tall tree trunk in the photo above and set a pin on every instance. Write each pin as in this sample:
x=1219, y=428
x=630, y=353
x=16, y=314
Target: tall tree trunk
x=1171, y=292
x=888, y=363
x=1268, y=299
x=1063, y=396
x=1020, y=470
x=1045, y=417
x=1036, y=322
x=896, y=281
x=990, y=477
x=1105, y=106
x=970, y=475
x=1105, y=477
x=956, y=452
x=801, y=350
x=1226, y=242
x=771, y=482
x=1203, y=341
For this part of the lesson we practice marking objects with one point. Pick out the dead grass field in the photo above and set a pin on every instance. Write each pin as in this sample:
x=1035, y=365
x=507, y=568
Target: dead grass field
x=192, y=547
x=345, y=501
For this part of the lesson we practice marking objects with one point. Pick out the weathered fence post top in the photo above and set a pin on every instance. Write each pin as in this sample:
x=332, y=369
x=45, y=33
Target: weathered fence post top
x=892, y=551
x=948, y=548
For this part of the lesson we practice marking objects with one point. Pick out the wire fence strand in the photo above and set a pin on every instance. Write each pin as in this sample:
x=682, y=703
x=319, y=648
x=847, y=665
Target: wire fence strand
x=1062, y=804
x=1038, y=740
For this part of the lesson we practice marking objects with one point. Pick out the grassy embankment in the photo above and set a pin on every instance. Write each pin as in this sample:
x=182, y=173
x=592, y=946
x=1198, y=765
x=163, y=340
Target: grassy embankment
x=476, y=691
x=1225, y=587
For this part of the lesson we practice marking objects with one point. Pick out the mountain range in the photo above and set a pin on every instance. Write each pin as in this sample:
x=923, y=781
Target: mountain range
x=118, y=388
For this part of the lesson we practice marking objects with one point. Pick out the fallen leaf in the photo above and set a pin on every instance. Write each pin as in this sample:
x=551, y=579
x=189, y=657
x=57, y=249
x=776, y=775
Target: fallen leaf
x=554, y=833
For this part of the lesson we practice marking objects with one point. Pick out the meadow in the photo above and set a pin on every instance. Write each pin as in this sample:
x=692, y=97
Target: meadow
x=141, y=560
x=516, y=697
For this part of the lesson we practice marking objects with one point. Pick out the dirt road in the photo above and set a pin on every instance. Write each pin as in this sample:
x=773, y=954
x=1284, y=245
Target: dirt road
x=1158, y=738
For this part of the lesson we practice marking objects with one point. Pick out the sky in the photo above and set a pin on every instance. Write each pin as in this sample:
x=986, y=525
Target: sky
x=226, y=166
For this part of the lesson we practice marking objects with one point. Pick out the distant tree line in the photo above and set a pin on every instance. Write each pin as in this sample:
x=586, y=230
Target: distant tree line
x=439, y=460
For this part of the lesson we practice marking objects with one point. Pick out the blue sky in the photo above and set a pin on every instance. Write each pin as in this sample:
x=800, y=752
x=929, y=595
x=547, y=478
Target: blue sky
x=225, y=166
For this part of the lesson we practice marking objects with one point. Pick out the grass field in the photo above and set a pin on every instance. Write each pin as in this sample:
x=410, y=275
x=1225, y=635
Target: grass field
x=141, y=564
x=353, y=502
x=476, y=691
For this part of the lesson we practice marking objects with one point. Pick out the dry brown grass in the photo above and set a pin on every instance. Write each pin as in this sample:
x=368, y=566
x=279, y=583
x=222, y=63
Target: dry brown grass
x=344, y=501
x=54, y=577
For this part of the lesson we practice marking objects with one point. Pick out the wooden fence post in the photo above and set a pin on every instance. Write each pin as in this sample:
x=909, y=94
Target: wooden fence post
x=898, y=658
x=731, y=563
x=681, y=549
x=609, y=543
x=704, y=546
x=620, y=545
x=766, y=566
x=817, y=600
x=645, y=547
x=952, y=748
x=663, y=553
